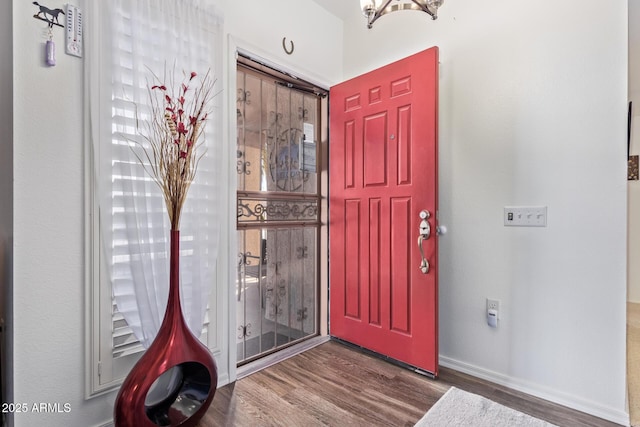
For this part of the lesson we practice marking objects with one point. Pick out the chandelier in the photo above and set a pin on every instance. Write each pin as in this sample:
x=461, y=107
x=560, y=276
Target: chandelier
x=374, y=9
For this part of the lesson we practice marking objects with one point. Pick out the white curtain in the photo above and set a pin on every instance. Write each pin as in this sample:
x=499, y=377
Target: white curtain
x=140, y=37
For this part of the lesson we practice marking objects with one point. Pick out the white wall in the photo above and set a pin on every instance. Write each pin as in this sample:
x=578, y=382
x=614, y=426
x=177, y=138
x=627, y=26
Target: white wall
x=48, y=188
x=634, y=186
x=317, y=35
x=533, y=102
x=48, y=283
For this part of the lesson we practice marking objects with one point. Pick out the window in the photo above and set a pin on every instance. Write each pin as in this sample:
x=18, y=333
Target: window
x=128, y=227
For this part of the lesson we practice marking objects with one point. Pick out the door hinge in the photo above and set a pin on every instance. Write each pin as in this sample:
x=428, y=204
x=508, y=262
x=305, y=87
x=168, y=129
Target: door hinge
x=99, y=369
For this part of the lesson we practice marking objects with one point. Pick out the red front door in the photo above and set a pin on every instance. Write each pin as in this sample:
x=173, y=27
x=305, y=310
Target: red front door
x=383, y=174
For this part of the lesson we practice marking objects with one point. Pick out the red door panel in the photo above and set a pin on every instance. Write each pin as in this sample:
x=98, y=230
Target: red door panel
x=383, y=173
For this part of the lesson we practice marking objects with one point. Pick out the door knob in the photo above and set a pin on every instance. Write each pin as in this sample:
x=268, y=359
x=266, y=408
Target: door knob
x=424, y=234
x=425, y=228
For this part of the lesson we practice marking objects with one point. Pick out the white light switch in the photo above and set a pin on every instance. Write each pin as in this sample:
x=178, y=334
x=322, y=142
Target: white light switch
x=525, y=216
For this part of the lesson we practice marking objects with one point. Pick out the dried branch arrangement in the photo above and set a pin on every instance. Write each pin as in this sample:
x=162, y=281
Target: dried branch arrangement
x=172, y=135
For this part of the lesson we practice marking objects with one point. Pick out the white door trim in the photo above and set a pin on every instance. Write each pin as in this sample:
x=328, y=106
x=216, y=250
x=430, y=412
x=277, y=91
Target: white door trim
x=227, y=312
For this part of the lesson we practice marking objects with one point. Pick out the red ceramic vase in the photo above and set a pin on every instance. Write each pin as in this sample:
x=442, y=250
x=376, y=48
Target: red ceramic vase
x=175, y=380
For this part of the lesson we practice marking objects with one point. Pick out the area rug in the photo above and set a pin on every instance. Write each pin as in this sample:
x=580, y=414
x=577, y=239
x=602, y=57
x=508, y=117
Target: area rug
x=459, y=408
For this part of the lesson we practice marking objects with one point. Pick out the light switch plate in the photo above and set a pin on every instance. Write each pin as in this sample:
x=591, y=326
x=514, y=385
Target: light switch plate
x=525, y=216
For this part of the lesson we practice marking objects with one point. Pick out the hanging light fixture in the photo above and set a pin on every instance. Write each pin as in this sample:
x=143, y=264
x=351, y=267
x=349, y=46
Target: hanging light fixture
x=374, y=9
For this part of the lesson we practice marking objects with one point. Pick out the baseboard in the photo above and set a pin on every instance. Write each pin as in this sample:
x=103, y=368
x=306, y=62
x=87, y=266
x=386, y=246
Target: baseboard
x=564, y=399
x=223, y=380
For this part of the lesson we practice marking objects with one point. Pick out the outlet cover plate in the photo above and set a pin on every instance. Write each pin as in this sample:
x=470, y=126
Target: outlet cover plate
x=525, y=216
x=493, y=304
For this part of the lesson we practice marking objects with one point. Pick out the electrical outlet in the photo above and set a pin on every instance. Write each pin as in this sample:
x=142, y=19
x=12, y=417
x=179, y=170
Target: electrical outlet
x=493, y=304
x=493, y=312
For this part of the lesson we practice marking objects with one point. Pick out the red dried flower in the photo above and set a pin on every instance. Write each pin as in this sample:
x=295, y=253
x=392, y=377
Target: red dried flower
x=176, y=164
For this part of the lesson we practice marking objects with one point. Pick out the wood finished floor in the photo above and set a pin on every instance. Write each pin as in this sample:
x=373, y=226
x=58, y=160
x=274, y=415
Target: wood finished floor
x=334, y=385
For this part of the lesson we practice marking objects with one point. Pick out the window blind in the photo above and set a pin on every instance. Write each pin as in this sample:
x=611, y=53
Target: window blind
x=140, y=38
x=141, y=47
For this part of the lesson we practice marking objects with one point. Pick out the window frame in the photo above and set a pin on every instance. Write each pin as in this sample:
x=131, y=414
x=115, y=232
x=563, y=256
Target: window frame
x=103, y=372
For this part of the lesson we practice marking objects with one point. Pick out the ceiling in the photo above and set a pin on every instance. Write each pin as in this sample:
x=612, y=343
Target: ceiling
x=340, y=8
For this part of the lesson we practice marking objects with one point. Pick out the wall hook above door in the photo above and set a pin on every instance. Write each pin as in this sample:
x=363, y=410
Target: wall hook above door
x=284, y=46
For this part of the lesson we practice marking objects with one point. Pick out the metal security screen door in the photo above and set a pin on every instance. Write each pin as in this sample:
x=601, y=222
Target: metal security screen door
x=278, y=218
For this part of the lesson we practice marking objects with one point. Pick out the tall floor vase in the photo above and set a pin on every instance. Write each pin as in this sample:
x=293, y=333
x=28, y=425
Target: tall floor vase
x=175, y=380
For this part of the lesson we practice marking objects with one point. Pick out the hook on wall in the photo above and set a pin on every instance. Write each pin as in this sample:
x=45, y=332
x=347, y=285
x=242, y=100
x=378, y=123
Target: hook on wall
x=50, y=16
x=284, y=46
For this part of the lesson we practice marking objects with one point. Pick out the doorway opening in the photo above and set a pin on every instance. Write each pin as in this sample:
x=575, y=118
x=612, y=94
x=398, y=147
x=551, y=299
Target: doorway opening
x=279, y=210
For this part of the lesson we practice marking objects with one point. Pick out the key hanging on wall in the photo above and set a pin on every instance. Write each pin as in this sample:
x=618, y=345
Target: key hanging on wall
x=50, y=50
x=51, y=17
